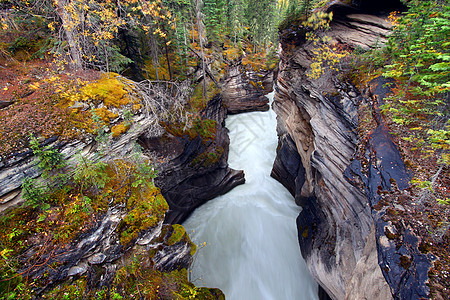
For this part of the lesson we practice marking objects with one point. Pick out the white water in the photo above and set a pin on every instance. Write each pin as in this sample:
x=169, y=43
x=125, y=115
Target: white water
x=251, y=250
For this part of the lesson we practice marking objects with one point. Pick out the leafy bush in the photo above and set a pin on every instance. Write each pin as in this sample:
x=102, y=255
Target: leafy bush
x=420, y=61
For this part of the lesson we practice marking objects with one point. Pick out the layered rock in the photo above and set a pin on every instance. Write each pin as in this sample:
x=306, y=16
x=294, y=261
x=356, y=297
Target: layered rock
x=190, y=178
x=184, y=182
x=319, y=132
x=244, y=90
x=100, y=249
x=317, y=128
x=194, y=171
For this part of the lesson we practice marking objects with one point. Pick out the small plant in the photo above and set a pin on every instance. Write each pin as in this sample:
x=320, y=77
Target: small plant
x=35, y=194
x=101, y=137
x=49, y=159
x=90, y=173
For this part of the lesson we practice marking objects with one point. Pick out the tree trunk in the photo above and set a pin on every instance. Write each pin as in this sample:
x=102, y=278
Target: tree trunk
x=70, y=32
x=200, y=38
x=168, y=61
x=154, y=53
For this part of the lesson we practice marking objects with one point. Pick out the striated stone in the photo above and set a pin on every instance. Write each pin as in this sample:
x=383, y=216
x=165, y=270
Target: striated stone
x=97, y=258
x=149, y=236
x=244, y=91
x=173, y=257
x=77, y=270
x=317, y=125
x=372, y=285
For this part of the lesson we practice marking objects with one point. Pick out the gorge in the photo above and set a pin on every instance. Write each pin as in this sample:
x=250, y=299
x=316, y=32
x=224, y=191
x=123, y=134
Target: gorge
x=310, y=195
x=247, y=237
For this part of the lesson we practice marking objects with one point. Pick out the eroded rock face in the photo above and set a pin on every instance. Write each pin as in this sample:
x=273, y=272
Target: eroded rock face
x=336, y=221
x=402, y=263
x=185, y=182
x=98, y=254
x=244, y=91
x=189, y=178
x=317, y=125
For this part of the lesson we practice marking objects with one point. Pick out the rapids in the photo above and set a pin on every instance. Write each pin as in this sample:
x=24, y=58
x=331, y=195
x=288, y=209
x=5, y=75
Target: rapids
x=247, y=238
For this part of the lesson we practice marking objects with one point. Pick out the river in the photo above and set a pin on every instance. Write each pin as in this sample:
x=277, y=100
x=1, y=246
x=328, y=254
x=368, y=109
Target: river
x=247, y=238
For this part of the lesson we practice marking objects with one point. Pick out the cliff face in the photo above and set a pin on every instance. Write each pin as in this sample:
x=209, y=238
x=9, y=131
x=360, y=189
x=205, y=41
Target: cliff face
x=244, y=90
x=317, y=128
x=317, y=143
x=186, y=179
x=195, y=170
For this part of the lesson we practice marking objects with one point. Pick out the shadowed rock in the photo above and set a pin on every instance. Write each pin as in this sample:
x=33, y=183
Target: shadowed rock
x=317, y=128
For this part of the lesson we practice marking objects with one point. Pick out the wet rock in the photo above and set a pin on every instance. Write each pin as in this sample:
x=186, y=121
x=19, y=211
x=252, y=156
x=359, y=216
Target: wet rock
x=288, y=168
x=77, y=270
x=4, y=104
x=97, y=258
x=403, y=265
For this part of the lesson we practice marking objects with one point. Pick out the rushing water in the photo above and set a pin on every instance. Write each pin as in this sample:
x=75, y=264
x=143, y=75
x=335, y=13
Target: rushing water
x=247, y=238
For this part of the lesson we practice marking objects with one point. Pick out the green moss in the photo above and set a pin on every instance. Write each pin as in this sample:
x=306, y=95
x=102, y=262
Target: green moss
x=145, y=211
x=177, y=234
x=197, y=102
x=204, y=128
x=68, y=290
x=211, y=156
x=108, y=90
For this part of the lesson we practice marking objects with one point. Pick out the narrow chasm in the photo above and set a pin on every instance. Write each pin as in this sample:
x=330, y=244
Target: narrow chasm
x=248, y=238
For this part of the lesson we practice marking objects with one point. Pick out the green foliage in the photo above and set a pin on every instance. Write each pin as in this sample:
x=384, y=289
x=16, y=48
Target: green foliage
x=259, y=17
x=214, y=11
x=294, y=12
x=34, y=193
x=49, y=159
x=51, y=163
x=144, y=175
x=90, y=173
x=420, y=62
x=420, y=48
x=445, y=201
x=206, y=128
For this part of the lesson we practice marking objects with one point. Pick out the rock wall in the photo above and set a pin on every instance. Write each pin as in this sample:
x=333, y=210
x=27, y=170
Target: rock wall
x=188, y=179
x=245, y=91
x=317, y=128
x=185, y=180
x=185, y=184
